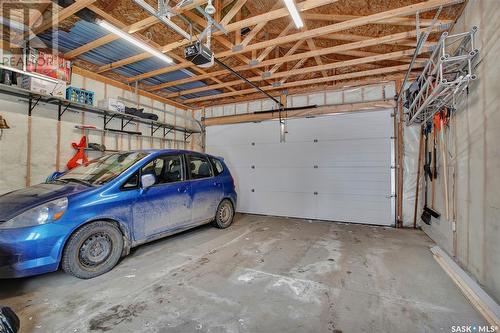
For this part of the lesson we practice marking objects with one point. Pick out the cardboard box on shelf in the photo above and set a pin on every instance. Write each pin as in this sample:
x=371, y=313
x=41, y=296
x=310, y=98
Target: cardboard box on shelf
x=44, y=87
x=112, y=104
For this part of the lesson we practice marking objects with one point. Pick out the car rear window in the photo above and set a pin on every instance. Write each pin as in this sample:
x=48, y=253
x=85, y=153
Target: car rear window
x=218, y=167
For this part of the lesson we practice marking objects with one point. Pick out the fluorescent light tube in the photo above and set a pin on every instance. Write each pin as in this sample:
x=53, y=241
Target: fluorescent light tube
x=294, y=13
x=128, y=37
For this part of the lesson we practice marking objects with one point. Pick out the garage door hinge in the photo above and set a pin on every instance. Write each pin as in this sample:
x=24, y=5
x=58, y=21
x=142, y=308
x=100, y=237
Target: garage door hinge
x=315, y=167
x=315, y=193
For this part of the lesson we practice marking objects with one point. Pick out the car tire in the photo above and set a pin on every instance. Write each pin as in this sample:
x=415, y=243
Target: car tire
x=225, y=214
x=92, y=250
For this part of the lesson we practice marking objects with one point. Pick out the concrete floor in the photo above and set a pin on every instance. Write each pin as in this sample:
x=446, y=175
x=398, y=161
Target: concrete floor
x=264, y=274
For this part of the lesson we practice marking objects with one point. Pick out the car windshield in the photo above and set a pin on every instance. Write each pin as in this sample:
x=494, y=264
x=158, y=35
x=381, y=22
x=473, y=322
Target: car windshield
x=103, y=169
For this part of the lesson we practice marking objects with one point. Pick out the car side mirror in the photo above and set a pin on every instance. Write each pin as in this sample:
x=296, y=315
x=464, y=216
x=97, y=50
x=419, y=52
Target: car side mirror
x=147, y=180
x=54, y=176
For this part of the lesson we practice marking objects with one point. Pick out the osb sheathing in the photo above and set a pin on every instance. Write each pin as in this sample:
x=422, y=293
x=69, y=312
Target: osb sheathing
x=128, y=12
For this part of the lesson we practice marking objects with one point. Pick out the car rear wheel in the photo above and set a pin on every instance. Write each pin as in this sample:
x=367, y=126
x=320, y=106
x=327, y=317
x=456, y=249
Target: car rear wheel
x=93, y=250
x=225, y=214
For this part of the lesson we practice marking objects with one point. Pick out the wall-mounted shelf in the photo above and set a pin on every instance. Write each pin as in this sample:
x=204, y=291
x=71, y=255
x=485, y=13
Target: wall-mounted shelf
x=63, y=105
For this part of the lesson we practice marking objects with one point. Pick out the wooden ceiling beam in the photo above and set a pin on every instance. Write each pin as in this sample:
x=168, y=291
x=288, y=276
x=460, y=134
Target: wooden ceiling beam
x=357, y=38
x=348, y=76
x=309, y=89
x=321, y=110
x=298, y=56
x=141, y=25
x=403, y=21
x=38, y=14
x=191, y=5
x=312, y=46
x=131, y=29
x=299, y=64
x=232, y=12
x=62, y=15
x=256, y=29
x=185, y=64
x=248, y=22
x=287, y=54
x=221, y=39
x=402, y=11
x=296, y=70
x=268, y=50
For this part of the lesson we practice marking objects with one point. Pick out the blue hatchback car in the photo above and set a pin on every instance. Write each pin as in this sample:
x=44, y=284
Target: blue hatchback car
x=86, y=219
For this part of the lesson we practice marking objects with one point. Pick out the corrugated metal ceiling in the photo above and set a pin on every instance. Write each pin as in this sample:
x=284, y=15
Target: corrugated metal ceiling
x=84, y=32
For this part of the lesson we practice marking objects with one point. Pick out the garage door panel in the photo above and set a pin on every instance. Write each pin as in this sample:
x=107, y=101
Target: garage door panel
x=332, y=168
x=284, y=155
x=252, y=132
x=290, y=204
x=353, y=126
x=369, y=209
x=371, y=146
x=241, y=155
x=285, y=179
x=352, y=187
x=361, y=175
x=244, y=182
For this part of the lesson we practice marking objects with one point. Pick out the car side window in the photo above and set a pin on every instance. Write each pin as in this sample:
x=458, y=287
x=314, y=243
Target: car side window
x=199, y=167
x=166, y=169
x=218, y=167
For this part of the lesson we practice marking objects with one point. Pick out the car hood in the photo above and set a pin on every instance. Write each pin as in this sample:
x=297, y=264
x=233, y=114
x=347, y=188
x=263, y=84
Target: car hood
x=16, y=202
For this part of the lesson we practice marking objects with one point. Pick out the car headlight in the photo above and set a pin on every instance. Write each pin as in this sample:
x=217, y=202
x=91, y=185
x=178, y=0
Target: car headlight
x=46, y=213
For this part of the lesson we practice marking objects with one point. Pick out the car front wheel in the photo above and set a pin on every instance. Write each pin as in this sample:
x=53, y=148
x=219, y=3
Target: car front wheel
x=93, y=250
x=225, y=214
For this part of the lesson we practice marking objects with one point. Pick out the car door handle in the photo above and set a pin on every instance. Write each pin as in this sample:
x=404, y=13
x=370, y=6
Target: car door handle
x=217, y=184
x=182, y=189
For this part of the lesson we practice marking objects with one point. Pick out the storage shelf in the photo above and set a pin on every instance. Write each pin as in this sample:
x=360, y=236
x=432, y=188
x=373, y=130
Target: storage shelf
x=63, y=105
x=445, y=78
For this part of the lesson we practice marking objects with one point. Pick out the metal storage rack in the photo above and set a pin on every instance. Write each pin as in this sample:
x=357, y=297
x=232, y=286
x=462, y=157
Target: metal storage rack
x=63, y=105
x=445, y=77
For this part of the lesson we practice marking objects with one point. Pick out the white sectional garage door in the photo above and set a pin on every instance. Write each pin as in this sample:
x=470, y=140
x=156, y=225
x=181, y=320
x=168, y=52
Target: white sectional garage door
x=334, y=167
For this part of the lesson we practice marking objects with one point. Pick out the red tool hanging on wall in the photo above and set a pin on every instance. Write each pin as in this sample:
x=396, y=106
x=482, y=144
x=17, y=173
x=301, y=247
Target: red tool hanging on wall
x=79, y=155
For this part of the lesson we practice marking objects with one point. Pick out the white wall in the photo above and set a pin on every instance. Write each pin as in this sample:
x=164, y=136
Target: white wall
x=474, y=170
x=47, y=156
x=374, y=92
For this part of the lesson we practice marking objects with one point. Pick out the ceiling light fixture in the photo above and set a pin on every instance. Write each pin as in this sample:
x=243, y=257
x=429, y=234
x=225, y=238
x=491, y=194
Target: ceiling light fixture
x=210, y=9
x=294, y=13
x=128, y=37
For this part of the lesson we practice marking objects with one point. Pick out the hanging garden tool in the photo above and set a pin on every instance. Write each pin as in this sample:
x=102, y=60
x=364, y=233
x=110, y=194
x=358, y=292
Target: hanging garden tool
x=439, y=120
x=434, y=164
x=428, y=213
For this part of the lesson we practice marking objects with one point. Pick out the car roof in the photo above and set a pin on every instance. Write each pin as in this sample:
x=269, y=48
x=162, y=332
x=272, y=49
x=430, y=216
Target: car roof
x=157, y=152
